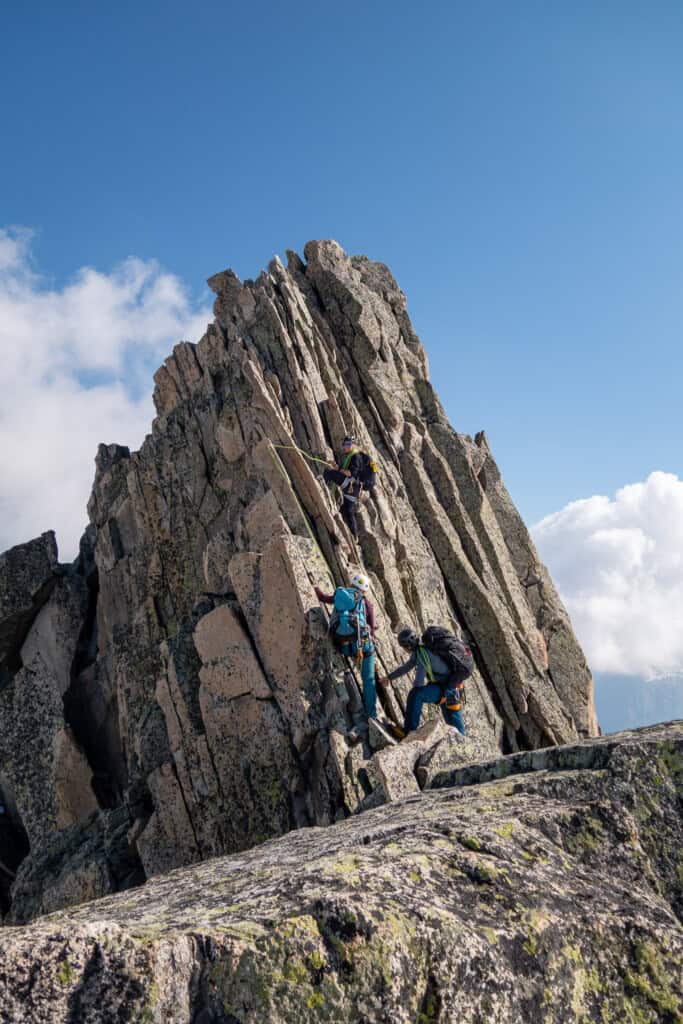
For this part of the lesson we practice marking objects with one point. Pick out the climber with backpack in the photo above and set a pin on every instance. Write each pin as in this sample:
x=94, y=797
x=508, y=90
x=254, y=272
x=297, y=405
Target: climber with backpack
x=355, y=472
x=442, y=663
x=352, y=628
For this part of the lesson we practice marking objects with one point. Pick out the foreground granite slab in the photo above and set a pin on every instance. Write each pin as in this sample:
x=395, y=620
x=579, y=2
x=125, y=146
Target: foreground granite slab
x=554, y=894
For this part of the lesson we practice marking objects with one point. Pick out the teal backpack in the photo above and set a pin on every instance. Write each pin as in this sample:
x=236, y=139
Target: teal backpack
x=348, y=618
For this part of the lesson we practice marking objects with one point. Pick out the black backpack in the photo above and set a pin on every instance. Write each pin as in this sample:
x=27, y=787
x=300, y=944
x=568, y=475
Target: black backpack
x=368, y=473
x=368, y=468
x=454, y=652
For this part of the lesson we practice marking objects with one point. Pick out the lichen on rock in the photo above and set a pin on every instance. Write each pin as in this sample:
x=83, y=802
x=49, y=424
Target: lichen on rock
x=542, y=896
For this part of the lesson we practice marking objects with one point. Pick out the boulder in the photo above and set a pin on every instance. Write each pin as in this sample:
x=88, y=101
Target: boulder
x=551, y=895
x=27, y=576
x=42, y=763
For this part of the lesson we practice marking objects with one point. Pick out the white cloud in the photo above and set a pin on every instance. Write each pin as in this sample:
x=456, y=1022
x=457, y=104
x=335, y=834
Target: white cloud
x=76, y=368
x=618, y=565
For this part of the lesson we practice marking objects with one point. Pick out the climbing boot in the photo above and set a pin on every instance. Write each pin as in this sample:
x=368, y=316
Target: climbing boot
x=378, y=736
x=359, y=732
x=397, y=731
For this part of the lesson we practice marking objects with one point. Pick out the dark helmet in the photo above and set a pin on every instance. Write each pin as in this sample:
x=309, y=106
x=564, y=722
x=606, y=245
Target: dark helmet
x=408, y=638
x=349, y=441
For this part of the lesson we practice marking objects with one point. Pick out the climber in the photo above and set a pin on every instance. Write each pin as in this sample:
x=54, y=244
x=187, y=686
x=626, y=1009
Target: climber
x=445, y=662
x=355, y=472
x=352, y=626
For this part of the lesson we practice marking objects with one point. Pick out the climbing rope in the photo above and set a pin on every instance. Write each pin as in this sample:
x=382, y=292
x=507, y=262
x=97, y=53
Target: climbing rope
x=312, y=458
x=285, y=476
x=293, y=448
x=424, y=658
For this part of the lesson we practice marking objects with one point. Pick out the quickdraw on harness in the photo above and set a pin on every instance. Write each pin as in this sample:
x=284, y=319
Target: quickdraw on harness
x=369, y=468
x=351, y=489
x=353, y=499
x=452, y=696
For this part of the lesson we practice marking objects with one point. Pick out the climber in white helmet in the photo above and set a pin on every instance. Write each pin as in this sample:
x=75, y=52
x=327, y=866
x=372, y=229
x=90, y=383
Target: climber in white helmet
x=352, y=627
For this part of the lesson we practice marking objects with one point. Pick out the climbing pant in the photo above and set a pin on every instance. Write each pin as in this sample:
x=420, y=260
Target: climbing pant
x=350, y=489
x=432, y=693
x=350, y=650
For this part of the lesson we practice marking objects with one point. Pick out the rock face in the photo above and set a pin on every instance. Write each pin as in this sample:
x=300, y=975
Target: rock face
x=178, y=677
x=552, y=894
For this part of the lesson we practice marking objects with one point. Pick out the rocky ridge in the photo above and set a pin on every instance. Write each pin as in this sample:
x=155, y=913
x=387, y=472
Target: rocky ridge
x=551, y=893
x=171, y=696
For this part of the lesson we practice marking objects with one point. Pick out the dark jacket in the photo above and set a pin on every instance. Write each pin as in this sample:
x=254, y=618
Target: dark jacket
x=440, y=670
x=353, y=462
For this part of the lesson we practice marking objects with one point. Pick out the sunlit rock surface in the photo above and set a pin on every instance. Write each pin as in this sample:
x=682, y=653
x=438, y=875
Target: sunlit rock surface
x=552, y=892
x=178, y=678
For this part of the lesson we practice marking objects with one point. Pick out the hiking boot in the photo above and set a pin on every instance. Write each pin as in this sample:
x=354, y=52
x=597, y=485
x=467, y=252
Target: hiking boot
x=378, y=736
x=358, y=733
x=397, y=731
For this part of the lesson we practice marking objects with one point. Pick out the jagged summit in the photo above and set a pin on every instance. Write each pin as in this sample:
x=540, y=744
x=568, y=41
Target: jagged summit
x=174, y=696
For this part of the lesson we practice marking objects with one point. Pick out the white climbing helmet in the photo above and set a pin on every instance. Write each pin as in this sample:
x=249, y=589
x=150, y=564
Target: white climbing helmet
x=360, y=582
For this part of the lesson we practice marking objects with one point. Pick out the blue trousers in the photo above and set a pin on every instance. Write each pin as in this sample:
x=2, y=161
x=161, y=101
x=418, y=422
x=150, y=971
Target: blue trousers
x=350, y=650
x=431, y=693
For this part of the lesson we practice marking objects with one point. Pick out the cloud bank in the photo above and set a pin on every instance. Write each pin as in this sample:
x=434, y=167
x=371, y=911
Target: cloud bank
x=76, y=368
x=618, y=564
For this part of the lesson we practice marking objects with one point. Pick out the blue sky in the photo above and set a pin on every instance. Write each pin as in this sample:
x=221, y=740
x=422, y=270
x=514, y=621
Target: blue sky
x=517, y=165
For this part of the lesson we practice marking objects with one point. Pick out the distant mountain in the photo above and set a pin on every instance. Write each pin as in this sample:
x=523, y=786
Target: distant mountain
x=627, y=702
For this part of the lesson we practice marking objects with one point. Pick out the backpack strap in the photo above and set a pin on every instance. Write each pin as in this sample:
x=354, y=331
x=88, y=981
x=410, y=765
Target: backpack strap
x=366, y=624
x=347, y=486
x=423, y=656
x=425, y=659
x=347, y=458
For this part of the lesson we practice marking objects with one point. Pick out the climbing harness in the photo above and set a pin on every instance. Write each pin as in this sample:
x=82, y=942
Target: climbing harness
x=369, y=470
